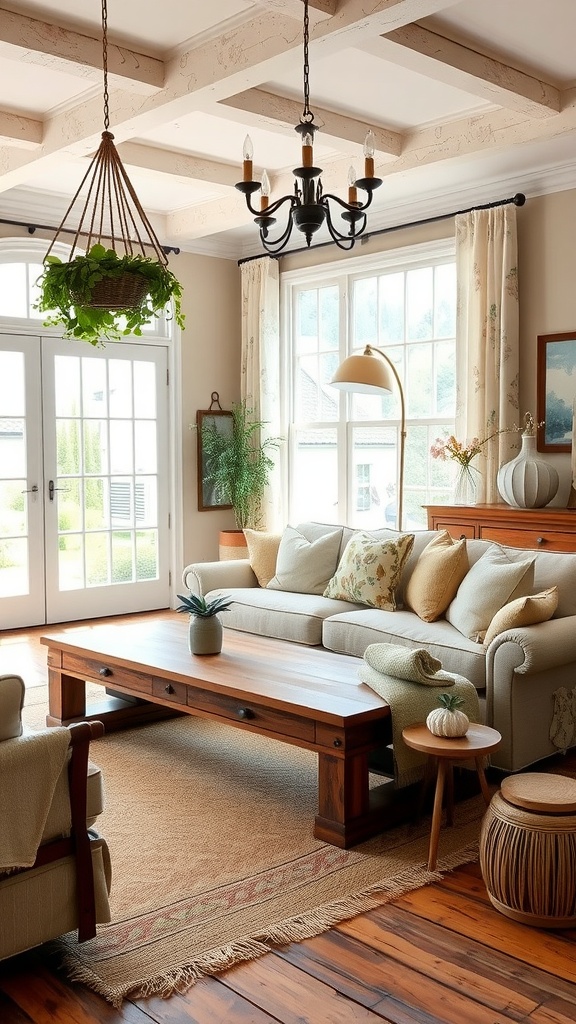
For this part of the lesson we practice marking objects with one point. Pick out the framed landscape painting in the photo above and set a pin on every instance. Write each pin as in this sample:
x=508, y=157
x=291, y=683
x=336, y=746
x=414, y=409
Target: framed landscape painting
x=556, y=391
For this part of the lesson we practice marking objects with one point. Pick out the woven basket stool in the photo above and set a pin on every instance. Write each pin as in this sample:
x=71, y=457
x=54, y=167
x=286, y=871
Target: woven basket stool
x=528, y=850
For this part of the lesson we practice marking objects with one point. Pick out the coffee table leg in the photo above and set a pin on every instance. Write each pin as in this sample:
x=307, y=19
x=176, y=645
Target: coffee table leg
x=344, y=800
x=66, y=698
x=437, y=815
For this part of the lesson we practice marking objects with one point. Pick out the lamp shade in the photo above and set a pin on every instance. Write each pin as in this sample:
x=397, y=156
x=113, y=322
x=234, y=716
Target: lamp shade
x=365, y=374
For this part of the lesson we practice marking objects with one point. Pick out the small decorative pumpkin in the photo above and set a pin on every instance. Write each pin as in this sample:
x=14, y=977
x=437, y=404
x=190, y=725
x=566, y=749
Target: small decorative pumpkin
x=447, y=720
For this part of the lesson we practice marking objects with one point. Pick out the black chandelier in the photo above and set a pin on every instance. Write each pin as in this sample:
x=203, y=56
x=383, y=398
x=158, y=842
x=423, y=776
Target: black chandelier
x=309, y=207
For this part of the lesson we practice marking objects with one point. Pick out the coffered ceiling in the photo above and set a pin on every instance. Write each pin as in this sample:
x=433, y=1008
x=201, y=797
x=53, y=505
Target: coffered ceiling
x=469, y=101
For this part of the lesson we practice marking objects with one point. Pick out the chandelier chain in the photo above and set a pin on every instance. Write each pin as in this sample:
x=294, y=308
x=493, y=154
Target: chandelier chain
x=307, y=114
x=105, y=64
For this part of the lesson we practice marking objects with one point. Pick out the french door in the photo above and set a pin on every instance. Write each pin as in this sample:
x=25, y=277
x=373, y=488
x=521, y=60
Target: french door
x=83, y=480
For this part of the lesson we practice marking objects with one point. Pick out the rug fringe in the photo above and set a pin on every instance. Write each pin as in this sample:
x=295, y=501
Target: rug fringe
x=305, y=926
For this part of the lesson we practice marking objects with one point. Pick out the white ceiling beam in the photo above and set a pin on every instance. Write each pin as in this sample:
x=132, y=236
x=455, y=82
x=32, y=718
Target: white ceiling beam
x=318, y=9
x=475, y=72
x=335, y=128
x=166, y=161
x=37, y=42
x=19, y=130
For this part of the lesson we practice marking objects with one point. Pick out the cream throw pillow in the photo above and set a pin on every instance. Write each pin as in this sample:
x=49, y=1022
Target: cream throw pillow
x=436, y=576
x=370, y=570
x=487, y=587
x=262, y=553
x=524, y=611
x=304, y=566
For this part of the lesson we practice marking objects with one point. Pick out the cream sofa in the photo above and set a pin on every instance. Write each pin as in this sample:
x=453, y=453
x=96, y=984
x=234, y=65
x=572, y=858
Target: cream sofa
x=517, y=674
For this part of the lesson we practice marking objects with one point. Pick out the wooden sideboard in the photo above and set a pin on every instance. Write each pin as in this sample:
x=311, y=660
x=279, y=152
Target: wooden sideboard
x=550, y=529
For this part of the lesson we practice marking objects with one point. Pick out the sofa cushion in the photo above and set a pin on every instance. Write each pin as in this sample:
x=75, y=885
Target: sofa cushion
x=436, y=577
x=278, y=613
x=351, y=632
x=490, y=584
x=305, y=563
x=11, y=702
x=262, y=554
x=369, y=570
x=524, y=611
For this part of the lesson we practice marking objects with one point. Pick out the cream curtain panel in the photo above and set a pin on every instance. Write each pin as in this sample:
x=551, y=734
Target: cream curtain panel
x=487, y=337
x=260, y=381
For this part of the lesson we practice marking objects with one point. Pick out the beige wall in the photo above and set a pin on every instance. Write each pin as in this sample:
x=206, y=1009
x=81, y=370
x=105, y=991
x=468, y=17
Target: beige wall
x=210, y=362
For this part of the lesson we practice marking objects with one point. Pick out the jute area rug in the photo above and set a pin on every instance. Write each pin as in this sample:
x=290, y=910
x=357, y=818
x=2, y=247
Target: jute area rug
x=214, y=860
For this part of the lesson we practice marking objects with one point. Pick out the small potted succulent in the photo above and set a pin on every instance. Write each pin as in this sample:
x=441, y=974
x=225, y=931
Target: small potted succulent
x=205, y=632
x=448, y=720
x=106, y=296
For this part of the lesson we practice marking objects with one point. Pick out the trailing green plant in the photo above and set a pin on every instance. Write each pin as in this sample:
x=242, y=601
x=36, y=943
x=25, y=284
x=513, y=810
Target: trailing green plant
x=66, y=290
x=238, y=464
x=195, y=604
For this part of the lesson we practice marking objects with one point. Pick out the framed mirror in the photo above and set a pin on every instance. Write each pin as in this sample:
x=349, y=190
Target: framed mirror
x=209, y=496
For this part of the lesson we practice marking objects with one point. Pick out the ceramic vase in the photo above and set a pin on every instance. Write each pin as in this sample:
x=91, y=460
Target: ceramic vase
x=528, y=481
x=205, y=634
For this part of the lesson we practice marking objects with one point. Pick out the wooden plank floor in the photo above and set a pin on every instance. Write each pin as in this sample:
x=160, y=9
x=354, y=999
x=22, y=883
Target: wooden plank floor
x=440, y=955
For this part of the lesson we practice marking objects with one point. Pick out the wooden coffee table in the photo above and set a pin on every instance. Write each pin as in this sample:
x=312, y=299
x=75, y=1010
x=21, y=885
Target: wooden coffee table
x=306, y=696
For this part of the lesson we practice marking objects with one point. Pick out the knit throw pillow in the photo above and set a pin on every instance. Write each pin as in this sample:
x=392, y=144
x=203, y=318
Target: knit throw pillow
x=524, y=611
x=370, y=570
x=262, y=553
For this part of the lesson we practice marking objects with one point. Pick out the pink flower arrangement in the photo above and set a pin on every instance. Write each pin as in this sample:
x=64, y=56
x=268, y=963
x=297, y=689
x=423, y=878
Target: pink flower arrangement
x=450, y=448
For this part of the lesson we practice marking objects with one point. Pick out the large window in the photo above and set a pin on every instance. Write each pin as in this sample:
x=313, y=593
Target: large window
x=344, y=455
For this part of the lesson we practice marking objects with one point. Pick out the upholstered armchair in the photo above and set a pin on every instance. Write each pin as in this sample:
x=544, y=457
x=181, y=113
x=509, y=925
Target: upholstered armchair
x=54, y=868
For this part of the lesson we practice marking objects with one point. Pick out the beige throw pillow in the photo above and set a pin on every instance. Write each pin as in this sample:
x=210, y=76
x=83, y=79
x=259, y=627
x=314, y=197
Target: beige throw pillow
x=436, y=576
x=304, y=566
x=488, y=585
x=262, y=553
x=524, y=611
x=370, y=570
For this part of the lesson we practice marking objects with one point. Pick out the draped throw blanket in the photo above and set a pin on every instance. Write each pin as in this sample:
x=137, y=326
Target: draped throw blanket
x=30, y=767
x=411, y=699
x=417, y=666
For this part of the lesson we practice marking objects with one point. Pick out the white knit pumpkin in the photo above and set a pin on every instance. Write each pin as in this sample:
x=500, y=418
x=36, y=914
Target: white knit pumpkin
x=447, y=720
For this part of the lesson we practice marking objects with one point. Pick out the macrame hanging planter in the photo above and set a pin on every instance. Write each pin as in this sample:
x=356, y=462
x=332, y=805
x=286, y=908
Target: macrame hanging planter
x=122, y=281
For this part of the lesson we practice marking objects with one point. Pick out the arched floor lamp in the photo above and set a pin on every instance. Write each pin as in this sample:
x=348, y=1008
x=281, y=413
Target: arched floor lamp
x=369, y=376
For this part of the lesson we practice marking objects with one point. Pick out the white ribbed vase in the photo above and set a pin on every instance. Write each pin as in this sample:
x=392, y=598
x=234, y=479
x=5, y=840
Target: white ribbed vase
x=527, y=481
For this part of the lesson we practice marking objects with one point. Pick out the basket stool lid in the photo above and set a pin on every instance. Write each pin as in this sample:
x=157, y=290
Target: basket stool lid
x=536, y=791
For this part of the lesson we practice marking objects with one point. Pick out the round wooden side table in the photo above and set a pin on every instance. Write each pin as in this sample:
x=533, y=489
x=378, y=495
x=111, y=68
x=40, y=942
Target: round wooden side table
x=528, y=850
x=478, y=741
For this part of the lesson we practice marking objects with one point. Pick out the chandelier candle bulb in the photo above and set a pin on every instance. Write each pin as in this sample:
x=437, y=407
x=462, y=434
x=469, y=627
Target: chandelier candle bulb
x=248, y=153
x=369, y=155
x=264, y=192
x=307, y=151
x=352, y=191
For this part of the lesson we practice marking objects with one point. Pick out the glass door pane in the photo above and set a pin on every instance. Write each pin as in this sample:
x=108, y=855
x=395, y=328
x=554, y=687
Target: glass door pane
x=21, y=499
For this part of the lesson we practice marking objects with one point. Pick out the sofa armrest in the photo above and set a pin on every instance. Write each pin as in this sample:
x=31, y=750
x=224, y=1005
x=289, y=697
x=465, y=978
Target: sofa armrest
x=202, y=577
x=538, y=648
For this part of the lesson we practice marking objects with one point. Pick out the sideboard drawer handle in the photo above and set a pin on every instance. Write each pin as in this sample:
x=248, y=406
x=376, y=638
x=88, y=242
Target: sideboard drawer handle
x=337, y=743
x=105, y=671
x=462, y=536
x=540, y=540
x=169, y=688
x=245, y=713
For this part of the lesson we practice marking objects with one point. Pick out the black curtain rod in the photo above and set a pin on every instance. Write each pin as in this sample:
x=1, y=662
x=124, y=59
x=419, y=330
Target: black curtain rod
x=519, y=199
x=31, y=228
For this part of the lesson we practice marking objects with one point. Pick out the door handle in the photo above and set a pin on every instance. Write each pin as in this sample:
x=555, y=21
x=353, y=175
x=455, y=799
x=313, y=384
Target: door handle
x=31, y=490
x=51, y=489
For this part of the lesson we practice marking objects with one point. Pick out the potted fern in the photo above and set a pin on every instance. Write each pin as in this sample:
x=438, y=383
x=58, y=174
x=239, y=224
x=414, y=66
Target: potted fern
x=205, y=631
x=238, y=466
x=106, y=296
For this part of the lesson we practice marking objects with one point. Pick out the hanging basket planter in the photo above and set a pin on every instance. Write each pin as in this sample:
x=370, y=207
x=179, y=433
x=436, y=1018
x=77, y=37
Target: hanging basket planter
x=122, y=281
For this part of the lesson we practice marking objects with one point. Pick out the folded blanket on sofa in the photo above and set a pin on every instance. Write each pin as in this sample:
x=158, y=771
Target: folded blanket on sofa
x=410, y=703
x=405, y=663
x=39, y=759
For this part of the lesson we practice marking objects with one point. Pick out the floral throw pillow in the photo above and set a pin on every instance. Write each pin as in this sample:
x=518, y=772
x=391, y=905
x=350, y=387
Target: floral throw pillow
x=370, y=570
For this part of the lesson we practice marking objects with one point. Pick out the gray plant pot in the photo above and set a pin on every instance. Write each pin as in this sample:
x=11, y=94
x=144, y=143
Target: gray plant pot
x=205, y=634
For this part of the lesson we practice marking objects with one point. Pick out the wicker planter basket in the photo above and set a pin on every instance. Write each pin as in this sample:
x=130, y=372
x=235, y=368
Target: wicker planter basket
x=116, y=293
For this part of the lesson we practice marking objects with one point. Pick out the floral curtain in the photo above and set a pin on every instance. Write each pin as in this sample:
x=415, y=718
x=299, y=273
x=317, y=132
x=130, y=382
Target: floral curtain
x=487, y=337
x=260, y=380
